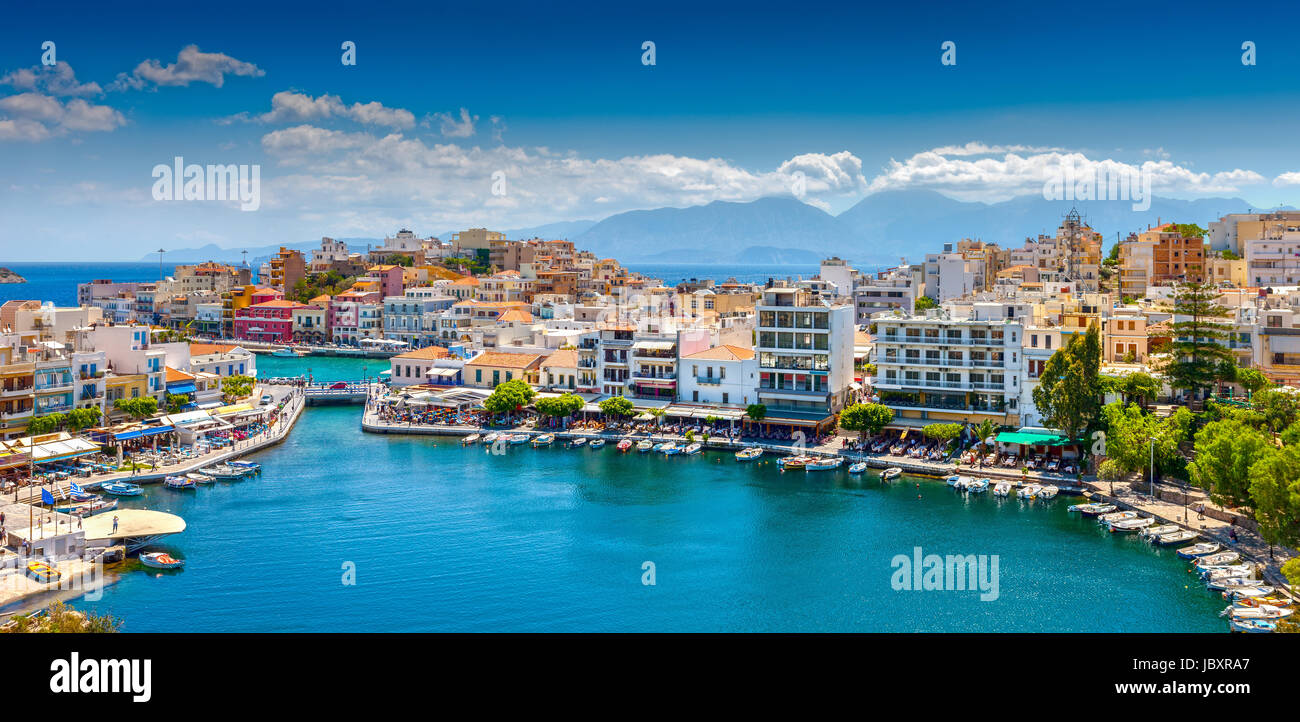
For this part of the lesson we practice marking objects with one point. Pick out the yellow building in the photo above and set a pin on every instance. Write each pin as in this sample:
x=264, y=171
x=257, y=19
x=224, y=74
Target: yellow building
x=127, y=386
x=494, y=367
x=17, y=393
x=1220, y=271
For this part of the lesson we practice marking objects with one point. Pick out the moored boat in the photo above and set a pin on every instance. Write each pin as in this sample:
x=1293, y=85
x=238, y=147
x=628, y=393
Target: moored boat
x=1029, y=491
x=1259, y=592
x=952, y=480
x=1252, y=626
x=1098, y=509
x=252, y=466
x=645, y=446
x=580, y=441
x=471, y=439
x=161, y=560
x=1216, y=560
x=890, y=473
x=669, y=448
x=858, y=468
x=1227, y=584
x=1152, y=532
x=1177, y=537
x=1245, y=569
x=122, y=488
x=978, y=486
x=596, y=444
x=492, y=436
x=749, y=454
x=43, y=572
x=543, y=440
x=285, y=352
x=1002, y=488
x=178, y=482
x=826, y=464
x=222, y=471
x=517, y=439
x=693, y=448
x=624, y=445
x=1117, y=516
x=1199, y=550
x=1047, y=493
x=201, y=478
x=1131, y=524
x=84, y=509
x=793, y=462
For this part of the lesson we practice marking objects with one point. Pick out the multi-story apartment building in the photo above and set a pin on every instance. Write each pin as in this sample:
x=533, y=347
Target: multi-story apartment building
x=1159, y=256
x=267, y=322
x=895, y=289
x=222, y=360
x=130, y=352
x=1272, y=254
x=17, y=388
x=287, y=268
x=952, y=275
x=1038, y=345
x=415, y=316
x=1124, y=337
x=723, y=375
x=309, y=323
x=805, y=355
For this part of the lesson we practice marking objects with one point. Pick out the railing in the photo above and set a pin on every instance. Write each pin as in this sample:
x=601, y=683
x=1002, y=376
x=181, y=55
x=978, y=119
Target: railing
x=708, y=380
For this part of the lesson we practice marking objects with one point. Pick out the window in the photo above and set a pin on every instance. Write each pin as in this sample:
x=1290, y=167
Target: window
x=724, y=397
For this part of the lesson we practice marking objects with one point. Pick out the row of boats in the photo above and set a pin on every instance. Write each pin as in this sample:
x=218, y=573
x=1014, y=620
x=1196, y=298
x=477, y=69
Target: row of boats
x=1003, y=488
x=230, y=470
x=46, y=572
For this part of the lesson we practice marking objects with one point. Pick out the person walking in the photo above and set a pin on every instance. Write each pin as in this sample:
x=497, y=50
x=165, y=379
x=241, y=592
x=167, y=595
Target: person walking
x=114, y=523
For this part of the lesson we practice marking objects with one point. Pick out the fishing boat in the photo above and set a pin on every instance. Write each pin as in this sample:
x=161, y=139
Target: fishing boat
x=1003, y=488
x=793, y=462
x=252, y=466
x=749, y=454
x=1231, y=570
x=624, y=445
x=1177, y=537
x=1255, y=601
x=1048, y=492
x=645, y=446
x=221, y=471
x=596, y=444
x=668, y=448
x=1199, y=550
x=200, y=477
x=1252, y=626
x=471, y=439
x=1131, y=524
x=1259, y=592
x=952, y=480
x=1228, y=584
x=827, y=464
x=890, y=473
x=492, y=436
x=1263, y=611
x=978, y=486
x=858, y=468
x=1117, y=516
x=1098, y=509
x=1152, y=532
x=517, y=439
x=543, y=440
x=179, y=482
x=1029, y=492
x=43, y=572
x=580, y=441
x=285, y=352
x=1080, y=507
x=122, y=488
x=692, y=448
x=161, y=560
x=1217, y=560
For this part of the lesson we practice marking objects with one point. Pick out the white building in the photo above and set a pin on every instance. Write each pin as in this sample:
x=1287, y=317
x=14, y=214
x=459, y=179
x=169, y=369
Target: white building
x=952, y=275
x=805, y=355
x=720, y=376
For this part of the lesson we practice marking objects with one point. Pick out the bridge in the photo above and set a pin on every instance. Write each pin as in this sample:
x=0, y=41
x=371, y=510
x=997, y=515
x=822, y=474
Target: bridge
x=350, y=393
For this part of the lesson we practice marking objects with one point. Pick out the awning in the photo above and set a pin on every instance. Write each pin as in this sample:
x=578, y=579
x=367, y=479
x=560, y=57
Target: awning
x=137, y=433
x=182, y=389
x=654, y=345
x=1031, y=438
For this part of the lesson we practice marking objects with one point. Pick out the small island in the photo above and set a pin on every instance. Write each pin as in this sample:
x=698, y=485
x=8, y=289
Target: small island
x=8, y=276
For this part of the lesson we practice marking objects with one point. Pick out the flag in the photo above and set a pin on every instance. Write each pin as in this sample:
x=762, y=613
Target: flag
x=47, y=497
x=77, y=488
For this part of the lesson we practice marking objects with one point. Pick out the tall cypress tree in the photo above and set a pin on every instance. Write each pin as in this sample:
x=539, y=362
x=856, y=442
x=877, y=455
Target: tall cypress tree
x=1196, y=356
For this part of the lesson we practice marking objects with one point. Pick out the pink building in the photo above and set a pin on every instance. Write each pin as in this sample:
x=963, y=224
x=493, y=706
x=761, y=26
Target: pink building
x=269, y=322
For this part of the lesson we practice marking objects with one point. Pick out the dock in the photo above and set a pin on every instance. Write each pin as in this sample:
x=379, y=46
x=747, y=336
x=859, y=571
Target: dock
x=136, y=528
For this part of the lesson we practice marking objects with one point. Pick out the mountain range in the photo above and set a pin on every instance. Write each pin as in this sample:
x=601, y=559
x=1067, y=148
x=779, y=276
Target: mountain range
x=880, y=229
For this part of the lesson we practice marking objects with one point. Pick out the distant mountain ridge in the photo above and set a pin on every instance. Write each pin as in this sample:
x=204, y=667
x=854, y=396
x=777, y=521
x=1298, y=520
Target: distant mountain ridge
x=880, y=229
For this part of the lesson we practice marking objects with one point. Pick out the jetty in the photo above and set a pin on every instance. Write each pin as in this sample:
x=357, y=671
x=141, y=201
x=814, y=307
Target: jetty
x=136, y=528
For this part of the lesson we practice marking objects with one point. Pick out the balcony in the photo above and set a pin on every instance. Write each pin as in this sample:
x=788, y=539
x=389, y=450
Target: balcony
x=710, y=380
x=641, y=374
x=16, y=392
x=790, y=390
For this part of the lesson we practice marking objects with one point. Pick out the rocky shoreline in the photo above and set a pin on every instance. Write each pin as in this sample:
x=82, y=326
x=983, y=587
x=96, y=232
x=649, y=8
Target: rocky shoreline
x=8, y=276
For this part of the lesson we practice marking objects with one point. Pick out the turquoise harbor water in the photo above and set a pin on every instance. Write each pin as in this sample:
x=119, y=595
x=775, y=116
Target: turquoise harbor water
x=445, y=537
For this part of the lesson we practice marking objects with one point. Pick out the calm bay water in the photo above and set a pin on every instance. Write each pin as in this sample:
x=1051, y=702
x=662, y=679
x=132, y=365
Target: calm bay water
x=445, y=537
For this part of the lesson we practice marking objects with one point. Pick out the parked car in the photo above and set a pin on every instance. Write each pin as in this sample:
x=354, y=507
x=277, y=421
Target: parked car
x=267, y=399
x=339, y=385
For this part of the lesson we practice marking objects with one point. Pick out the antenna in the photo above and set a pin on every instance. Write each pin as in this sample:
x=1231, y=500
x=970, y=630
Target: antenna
x=160, y=255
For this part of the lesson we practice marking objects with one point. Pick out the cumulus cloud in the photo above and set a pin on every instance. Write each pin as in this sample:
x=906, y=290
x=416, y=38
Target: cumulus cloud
x=1290, y=178
x=192, y=66
x=33, y=117
x=58, y=80
x=1013, y=174
x=977, y=148
x=290, y=107
x=464, y=127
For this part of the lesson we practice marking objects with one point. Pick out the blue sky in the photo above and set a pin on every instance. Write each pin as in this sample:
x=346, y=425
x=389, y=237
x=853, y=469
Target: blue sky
x=741, y=97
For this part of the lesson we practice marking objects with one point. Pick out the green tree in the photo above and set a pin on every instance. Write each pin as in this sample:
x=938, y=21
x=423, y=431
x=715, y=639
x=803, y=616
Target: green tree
x=1069, y=389
x=942, y=432
x=756, y=412
x=509, y=396
x=79, y=419
x=1291, y=570
x=1110, y=472
x=1275, y=495
x=1225, y=452
x=866, y=418
x=1278, y=408
x=1252, y=380
x=176, y=402
x=236, y=387
x=617, y=407
x=1139, y=388
x=1192, y=359
x=1132, y=437
x=924, y=303
x=47, y=424
x=560, y=407
x=138, y=408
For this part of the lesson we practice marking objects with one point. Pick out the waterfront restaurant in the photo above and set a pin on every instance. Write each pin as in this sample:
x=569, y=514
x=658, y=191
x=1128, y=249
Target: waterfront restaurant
x=1034, y=441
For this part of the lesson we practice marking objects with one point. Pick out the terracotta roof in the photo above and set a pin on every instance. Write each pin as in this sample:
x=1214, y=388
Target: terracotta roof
x=515, y=315
x=725, y=352
x=323, y=298
x=564, y=358
x=428, y=353
x=203, y=349
x=278, y=303
x=465, y=281
x=506, y=360
x=177, y=375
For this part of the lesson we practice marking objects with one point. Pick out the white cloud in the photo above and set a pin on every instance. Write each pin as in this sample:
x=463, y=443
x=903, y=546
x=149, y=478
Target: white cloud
x=1000, y=178
x=290, y=107
x=58, y=79
x=1289, y=178
x=977, y=148
x=192, y=65
x=34, y=117
x=450, y=127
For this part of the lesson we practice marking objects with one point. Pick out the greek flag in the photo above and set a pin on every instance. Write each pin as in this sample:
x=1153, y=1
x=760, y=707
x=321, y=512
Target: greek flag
x=76, y=488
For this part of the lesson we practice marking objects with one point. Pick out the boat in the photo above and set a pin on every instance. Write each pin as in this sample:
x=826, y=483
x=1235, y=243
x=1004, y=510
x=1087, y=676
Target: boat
x=1152, y=532
x=668, y=448
x=1228, y=584
x=693, y=448
x=1082, y=507
x=952, y=480
x=1003, y=488
x=890, y=473
x=1245, y=569
x=1252, y=626
x=978, y=486
x=1048, y=492
x=1097, y=509
x=161, y=560
x=179, y=482
x=517, y=439
x=596, y=444
x=1029, y=492
x=492, y=436
x=43, y=572
x=1117, y=516
x=1177, y=537
x=1256, y=601
x=644, y=446
x=1216, y=560
x=580, y=441
x=221, y=471
x=624, y=445
x=122, y=488
x=1199, y=550
x=471, y=439
x=543, y=440
x=749, y=454
x=858, y=468
x=201, y=477
x=252, y=466
x=1131, y=524
x=826, y=464
x=285, y=352
x=793, y=462
x=1250, y=592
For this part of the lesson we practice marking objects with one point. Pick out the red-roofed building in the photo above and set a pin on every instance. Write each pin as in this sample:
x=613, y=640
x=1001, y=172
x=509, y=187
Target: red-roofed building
x=269, y=322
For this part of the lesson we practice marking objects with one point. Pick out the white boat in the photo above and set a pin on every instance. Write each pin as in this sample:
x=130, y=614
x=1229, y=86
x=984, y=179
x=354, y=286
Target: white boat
x=1096, y=509
x=1228, y=584
x=858, y=468
x=1152, y=532
x=1002, y=488
x=953, y=480
x=692, y=449
x=161, y=560
x=1250, y=592
x=223, y=471
x=284, y=353
x=1199, y=550
x=644, y=446
x=1117, y=516
x=978, y=486
x=1217, y=560
x=471, y=439
x=1177, y=537
x=1048, y=492
x=596, y=444
x=178, y=482
x=794, y=462
x=1029, y=492
x=1231, y=570
x=826, y=464
x=1263, y=611
x=1131, y=524
x=890, y=473
x=200, y=478
x=580, y=441
x=543, y=440
x=517, y=439
x=749, y=454
x=1252, y=626
x=492, y=436
x=669, y=448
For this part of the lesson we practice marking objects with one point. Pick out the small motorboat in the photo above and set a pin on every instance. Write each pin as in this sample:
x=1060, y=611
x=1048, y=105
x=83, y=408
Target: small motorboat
x=1245, y=569
x=221, y=471
x=492, y=436
x=1152, y=532
x=1216, y=560
x=890, y=473
x=858, y=468
x=1252, y=626
x=793, y=462
x=749, y=454
x=1250, y=592
x=543, y=440
x=122, y=488
x=1117, y=516
x=1092, y=509
x=623, y=445
x=161, y=560
x=252, y=466
x=179, y=482
x=596, y=444
x=952, y=480
x=692, y=448
x=1177, y=537
x=1047, y=493
x=1003, y=488
x=1199, y=550
x=285, y=352
x=580, y=441
x=669, y=448
x=827, y=464
x=1228, y=584
x=1131, y=524
x=517, y=439
x=1257, y=601
x=1029, y=492
x=644, y=446
x=978, y=486
x=43, y=572
x=471, y=439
